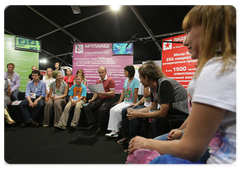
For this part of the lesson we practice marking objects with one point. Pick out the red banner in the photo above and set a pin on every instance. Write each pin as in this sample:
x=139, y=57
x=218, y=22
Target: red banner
x=176, y=60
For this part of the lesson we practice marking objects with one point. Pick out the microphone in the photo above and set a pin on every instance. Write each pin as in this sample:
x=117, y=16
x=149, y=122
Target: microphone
x=133, y=37
x=129, y=43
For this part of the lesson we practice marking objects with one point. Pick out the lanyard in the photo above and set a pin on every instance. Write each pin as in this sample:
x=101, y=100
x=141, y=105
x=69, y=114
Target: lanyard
x=11, y=76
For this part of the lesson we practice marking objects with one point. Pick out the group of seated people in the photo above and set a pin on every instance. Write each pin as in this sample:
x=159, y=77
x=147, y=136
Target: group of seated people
x=207, y=108
x=51, y=89
x=55, y=92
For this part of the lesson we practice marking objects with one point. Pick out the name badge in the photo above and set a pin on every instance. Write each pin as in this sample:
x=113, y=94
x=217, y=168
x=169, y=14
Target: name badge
x=75, y=98
x=58, y=92
x=33, y=95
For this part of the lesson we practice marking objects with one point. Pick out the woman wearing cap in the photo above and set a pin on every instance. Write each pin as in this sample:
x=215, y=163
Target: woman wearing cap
x=57, y=93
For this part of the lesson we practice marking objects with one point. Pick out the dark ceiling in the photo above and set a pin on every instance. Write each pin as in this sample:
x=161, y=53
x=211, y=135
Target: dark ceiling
x=57, y=27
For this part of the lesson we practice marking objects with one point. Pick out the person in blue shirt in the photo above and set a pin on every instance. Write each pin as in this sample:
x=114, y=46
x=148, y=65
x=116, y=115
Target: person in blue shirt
x=78, y=94
x=130, y=96
x=14, y=79
x=34, y=98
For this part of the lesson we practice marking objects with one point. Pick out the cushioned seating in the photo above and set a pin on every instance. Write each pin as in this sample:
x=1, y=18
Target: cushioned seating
x=17, y=116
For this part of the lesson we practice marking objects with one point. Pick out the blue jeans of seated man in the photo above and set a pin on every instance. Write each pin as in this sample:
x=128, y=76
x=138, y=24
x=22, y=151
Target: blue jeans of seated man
x=204, y=158
x=27, y=117
x=15, y=94
x=162, y=137
x=130, y=128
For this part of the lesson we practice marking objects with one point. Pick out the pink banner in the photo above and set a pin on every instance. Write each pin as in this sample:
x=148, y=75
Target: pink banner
x=177, y=62
x=90, y=56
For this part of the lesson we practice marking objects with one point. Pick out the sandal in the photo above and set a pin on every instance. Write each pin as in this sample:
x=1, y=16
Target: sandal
x=121, y=141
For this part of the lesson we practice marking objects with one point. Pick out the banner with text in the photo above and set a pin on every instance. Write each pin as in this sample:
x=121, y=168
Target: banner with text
x=23, y=60
x=90, y=56
x=176, y=60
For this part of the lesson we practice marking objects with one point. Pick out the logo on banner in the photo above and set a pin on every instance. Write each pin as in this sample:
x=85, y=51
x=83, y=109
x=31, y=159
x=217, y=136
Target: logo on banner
x=167, y=46
x=78, y=48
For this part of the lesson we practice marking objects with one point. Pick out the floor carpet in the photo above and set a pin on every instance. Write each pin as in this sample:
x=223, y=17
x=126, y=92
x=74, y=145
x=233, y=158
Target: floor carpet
x=46, y=146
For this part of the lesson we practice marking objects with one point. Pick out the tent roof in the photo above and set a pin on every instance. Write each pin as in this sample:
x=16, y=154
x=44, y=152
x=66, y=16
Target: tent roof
x=58, y=28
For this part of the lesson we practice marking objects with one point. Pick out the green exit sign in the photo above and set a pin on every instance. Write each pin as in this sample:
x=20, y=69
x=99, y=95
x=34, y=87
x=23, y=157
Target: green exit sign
x=27, y=44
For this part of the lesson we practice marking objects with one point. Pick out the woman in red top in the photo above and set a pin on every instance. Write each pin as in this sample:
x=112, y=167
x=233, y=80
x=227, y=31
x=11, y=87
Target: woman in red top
x=69, y=78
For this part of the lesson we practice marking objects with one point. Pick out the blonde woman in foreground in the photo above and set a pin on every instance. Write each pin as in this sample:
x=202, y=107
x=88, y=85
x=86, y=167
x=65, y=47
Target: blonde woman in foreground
x=211, y=36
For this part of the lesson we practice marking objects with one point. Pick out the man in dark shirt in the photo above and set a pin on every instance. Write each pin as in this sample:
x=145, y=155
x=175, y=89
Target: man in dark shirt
x=166, y=92
x=30, y=75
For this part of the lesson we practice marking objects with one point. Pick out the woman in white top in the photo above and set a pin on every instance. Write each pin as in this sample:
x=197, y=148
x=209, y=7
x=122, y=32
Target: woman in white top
x=211, y=35
x=48, y=79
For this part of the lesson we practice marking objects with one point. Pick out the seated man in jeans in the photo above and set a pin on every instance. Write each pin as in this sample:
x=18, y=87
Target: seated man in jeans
x=34, y=98
x=168, y=93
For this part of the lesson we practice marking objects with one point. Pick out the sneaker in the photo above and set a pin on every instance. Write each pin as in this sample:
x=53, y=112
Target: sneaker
x=112, y=134
x=59, y=127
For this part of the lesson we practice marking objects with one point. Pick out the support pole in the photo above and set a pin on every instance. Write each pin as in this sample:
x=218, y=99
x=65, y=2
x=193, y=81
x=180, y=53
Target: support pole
x=135, y=11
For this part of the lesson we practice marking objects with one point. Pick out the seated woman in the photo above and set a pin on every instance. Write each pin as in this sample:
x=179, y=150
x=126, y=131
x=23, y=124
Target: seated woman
x=131, y=128
x=48, y=79
x=69, y=79
x=81, y=73
x=57, y=93
x=212, y=121
x=7, y=100
x=130, y=95
x=30, y=75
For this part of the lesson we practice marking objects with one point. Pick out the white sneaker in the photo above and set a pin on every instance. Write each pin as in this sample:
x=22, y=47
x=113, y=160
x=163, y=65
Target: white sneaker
x=112, y=134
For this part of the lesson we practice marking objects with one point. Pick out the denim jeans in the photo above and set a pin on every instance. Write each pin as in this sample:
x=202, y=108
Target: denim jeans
x=27, y=117
x=15, y=94
x=162, y=137
x=130, y=128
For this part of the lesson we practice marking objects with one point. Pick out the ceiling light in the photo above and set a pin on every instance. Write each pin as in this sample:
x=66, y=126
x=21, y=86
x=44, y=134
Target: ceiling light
x=115, y=7
x=43, y=61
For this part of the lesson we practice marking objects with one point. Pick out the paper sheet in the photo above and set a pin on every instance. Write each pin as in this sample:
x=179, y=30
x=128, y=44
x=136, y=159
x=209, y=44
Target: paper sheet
x=96, y=88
